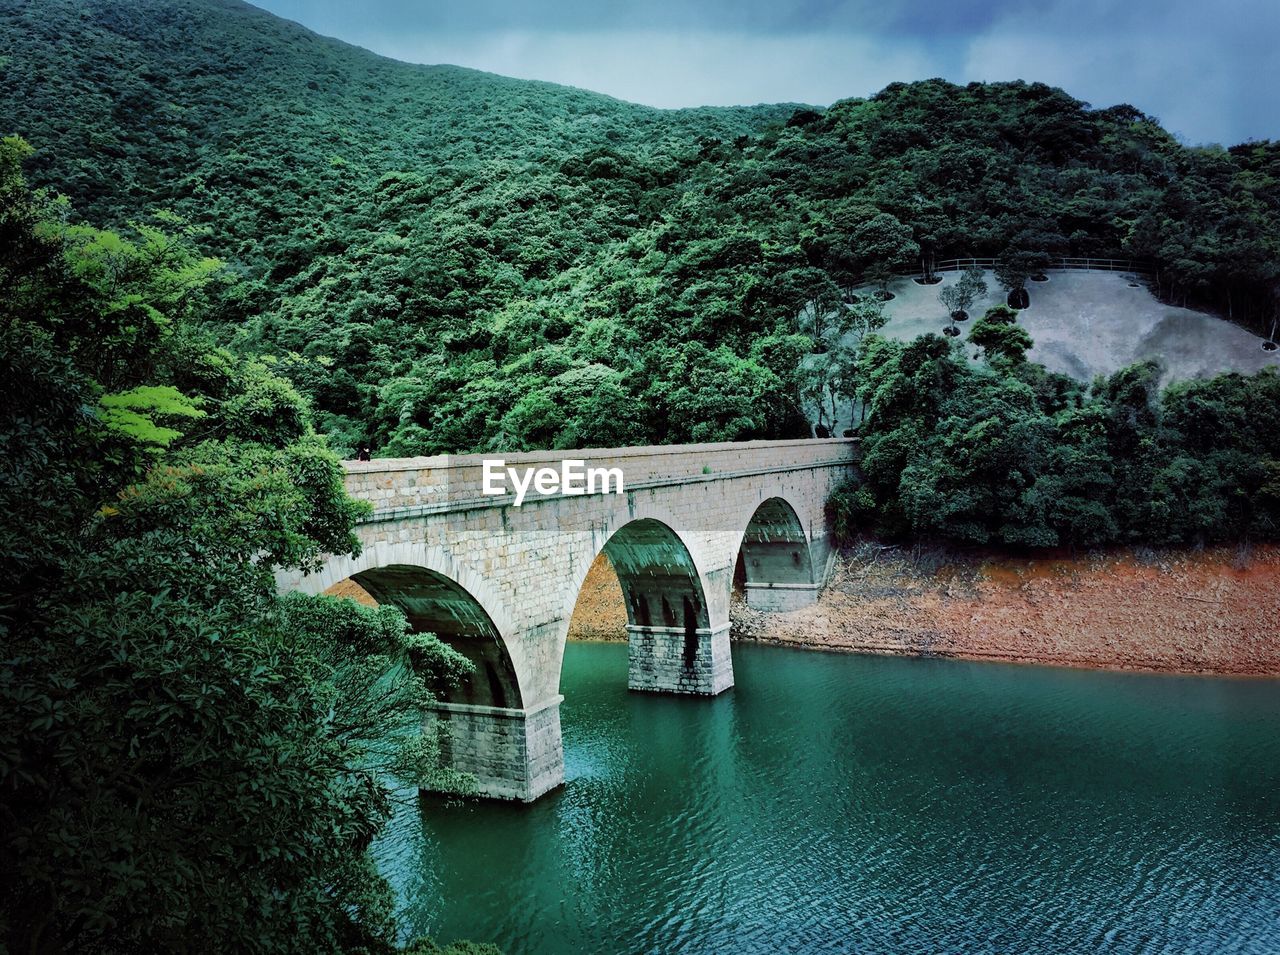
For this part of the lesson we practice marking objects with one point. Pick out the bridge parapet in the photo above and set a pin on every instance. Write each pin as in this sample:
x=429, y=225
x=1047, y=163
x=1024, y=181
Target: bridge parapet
x=403, y=487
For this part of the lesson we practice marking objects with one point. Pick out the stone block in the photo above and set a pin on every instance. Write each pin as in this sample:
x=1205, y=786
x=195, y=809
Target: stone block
x=779, y=598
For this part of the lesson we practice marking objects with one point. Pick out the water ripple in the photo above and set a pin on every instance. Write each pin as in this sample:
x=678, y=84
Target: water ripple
x=857, y=804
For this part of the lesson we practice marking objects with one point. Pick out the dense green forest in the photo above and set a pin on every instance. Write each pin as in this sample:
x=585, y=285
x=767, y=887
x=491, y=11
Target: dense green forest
x=444, y=260
x=1005, y=453
x=188, y=762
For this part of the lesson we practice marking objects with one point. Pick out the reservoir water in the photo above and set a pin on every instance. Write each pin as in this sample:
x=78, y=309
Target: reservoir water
x=836, y=803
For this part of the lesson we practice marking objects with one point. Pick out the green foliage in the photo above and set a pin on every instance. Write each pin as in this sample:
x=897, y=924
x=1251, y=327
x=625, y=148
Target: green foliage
x=377, y=677
x=437, y=260
x=1008, y=454
x=852, y=510
x=1014, y=266
x=1000, y=337
x=831, y=374
x=429, y=251
x=265, y=409
x=187, y=761
x=959, y=297
x=131, y=414
x=951, y=296
x=247, y=502
x=583, y=406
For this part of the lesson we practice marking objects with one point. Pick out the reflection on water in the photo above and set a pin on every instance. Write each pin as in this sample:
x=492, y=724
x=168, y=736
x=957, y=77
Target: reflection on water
x=864, y=804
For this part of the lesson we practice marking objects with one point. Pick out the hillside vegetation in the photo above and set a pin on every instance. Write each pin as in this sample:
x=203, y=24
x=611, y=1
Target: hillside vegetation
x=445, y=260
x=1005, y=453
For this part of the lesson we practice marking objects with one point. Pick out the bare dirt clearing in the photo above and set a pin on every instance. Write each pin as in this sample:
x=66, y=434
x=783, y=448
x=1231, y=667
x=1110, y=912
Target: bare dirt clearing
x=1092, y=323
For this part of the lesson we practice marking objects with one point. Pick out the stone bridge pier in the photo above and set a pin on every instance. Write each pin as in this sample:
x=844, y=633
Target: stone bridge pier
x=499, y=582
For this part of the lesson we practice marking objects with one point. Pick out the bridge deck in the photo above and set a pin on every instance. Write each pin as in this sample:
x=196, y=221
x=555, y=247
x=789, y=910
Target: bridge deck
x=401, y=488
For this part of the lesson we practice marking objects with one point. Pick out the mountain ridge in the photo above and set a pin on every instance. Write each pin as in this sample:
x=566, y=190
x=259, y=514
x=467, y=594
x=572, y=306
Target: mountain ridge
x=445, y=260
x=152, y=38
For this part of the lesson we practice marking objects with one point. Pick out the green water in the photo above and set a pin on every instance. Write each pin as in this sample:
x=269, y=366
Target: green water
x=862, y=804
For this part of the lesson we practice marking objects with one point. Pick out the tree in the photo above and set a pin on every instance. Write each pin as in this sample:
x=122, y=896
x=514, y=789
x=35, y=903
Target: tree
x=883, y=243
x=1000, y=337
x=863, y=317
x=972, y=286
x=820, y=311
x=860, y=317
x=952, y=299
x=844, y=381
x=958, y=298
x=818, y=376
x=831, y=373
x=1013, y=267
x=969, y=479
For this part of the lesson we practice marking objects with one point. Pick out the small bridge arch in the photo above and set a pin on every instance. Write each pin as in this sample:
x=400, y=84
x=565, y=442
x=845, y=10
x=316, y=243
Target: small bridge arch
x=672, y=645
x=776, y=563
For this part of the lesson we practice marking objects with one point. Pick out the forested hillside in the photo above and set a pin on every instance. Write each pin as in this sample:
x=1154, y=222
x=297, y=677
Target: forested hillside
x=445, y=260
x=190, y=762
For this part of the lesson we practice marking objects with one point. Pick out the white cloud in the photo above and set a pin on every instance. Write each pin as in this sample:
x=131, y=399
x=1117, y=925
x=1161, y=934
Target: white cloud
x=679, y=69
x=1207, y=72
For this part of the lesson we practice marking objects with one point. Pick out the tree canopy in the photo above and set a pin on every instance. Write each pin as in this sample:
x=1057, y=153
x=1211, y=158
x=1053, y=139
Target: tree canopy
x=1005, y=453
x=434, y=255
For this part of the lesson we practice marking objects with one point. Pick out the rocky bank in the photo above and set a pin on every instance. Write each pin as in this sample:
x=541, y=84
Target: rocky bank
x=1213, y=611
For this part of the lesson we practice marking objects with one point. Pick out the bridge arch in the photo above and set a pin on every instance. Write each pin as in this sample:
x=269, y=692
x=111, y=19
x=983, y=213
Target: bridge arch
x=675, y=643
x=492, y=727
x=434, y=603
x=775, y=559
x=660, y=582
x=445, y=597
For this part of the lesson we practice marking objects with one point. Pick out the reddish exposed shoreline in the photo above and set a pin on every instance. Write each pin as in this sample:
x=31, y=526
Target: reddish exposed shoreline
x=1214, y=611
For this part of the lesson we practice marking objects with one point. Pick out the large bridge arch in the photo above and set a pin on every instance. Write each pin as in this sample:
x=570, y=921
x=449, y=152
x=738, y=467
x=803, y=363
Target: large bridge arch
x=434, y=603
x=490, y=727
x=660, y=581
x=676, y=642
x=437, y=593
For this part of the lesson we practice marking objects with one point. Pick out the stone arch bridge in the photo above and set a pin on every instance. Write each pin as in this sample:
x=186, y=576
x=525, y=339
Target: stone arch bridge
x=499, y=582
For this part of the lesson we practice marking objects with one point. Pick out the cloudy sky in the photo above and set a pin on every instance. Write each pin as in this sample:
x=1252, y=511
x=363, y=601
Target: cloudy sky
x=1208, y=69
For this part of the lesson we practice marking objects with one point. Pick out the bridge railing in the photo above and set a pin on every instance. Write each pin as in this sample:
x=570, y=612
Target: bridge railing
x=397, y=486
x=1058, y=264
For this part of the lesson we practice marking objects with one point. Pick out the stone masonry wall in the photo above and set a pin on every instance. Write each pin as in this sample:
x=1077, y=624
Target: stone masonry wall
x=669, y=660
x=513, y=754
x=454, y=480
